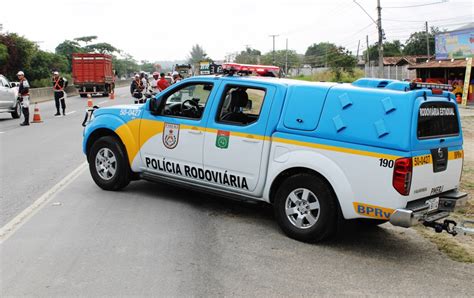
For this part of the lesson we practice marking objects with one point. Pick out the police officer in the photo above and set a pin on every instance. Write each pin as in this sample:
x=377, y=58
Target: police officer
x=24, y=96
x=59, y=95
x=136, y=88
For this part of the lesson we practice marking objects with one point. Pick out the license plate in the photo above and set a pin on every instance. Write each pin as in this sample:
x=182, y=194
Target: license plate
x=432, y=204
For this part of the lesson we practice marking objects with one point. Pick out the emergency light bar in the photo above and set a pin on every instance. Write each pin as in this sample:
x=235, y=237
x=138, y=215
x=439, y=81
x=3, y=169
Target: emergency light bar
x=435, y=88
x=262, y=70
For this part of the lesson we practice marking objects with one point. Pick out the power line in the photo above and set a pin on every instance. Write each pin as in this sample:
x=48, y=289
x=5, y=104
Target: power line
x=366, y=12
x=418, y=5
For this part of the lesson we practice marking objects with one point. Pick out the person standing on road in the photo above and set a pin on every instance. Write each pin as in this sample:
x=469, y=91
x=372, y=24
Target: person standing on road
x=144, y=81
x=154, y=82
x=59, y=84
x=162, y=83
x=176, y=77
x=24, y=97
x=136, y=88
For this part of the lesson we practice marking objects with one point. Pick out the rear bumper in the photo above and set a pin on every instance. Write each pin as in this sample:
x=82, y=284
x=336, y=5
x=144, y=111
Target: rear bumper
x=412, y=215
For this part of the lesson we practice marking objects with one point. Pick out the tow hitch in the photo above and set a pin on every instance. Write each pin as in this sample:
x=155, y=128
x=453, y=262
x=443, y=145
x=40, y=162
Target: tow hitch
x=451, y=227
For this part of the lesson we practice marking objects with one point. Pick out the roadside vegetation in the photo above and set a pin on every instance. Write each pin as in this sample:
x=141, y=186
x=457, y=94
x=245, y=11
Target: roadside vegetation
x=333, y=76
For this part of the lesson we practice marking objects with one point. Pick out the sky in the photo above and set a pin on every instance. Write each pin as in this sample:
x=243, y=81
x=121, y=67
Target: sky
x=166, y=30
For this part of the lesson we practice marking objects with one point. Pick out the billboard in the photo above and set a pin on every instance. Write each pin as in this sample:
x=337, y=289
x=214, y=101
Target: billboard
x=455, y=44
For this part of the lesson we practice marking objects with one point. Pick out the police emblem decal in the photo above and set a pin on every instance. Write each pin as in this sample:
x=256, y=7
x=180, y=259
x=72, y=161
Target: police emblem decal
x=170, y=135
x=222, y=139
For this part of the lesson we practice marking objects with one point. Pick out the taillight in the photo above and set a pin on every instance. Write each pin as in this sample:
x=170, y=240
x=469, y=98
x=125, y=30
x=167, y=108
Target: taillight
x=402, y=173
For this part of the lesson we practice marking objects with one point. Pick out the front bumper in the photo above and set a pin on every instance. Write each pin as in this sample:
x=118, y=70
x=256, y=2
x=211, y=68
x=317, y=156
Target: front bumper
x=420, y=212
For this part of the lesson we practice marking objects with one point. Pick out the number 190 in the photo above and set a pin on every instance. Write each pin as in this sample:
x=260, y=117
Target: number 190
x=386, y=163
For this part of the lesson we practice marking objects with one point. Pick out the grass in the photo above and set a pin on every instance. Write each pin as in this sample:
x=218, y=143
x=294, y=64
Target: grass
x=448, y=245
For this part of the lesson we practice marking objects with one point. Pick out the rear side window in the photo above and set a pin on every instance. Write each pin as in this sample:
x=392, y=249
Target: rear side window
x=437, y=119
x=240, y=105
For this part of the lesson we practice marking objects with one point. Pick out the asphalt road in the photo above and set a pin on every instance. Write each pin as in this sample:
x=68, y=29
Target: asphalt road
x=157, y=240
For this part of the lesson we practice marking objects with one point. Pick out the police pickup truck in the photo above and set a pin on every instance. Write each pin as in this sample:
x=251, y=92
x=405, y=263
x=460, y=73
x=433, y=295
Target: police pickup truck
x=374, y=149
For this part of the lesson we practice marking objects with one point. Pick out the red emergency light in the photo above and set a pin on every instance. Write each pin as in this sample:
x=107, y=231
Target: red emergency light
x=261, y=70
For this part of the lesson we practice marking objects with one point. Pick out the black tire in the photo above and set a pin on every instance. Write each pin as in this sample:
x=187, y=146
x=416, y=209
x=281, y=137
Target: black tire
x=17, y=112
x=121, y=176
x=83, y=95
x=325, y=223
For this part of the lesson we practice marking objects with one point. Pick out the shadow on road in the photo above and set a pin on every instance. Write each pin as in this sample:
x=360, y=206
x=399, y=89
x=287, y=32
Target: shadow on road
x=352, y=238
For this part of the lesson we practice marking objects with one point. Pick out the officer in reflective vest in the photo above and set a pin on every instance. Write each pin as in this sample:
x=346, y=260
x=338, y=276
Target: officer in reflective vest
x=59, y=95
x=24, y=97
x=136, y=88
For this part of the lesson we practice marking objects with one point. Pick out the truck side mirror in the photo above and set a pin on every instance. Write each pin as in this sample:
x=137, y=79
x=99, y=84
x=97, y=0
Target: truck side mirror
x=13, y=85
x=155, y=105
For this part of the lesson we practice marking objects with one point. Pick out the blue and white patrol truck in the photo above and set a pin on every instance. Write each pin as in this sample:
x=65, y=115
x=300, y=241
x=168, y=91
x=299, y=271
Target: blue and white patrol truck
x=318, y=152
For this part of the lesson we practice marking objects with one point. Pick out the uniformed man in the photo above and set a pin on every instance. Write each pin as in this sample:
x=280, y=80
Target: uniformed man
x=59, y=84
x=136, y=88
x=24, y=96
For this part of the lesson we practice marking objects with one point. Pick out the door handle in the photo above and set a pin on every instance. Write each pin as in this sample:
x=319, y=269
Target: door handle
x=253, y=141
x=194, y=132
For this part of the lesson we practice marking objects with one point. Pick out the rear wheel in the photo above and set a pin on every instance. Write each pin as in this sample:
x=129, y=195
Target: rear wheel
x=83, y=95
x=305, y=208
x=17, y=112
x=108, y=164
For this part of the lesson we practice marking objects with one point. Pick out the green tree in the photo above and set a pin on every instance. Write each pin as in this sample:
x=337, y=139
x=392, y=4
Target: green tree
x=86, y=39
x=416, y=43
x=125, y=66
x=197, y=55
x=249, y=56
x=317, y=54
x=19, y=54
x=102, y=47
x=3, y=54
x=390, y=49
x=66, y=49
x=294, y=60
x=44, y=63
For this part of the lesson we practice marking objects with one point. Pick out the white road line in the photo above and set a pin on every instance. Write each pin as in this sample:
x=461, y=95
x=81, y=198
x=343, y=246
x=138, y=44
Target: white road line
x=71, y=112
x=1, y=132
x=102, y=102
x=13, y=225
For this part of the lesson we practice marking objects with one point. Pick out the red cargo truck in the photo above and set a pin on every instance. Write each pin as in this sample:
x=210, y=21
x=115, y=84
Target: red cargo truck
x=92, y=73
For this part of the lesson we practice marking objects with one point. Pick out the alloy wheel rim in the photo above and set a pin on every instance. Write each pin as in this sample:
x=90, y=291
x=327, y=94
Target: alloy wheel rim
x=302, y=208
x=106, y=163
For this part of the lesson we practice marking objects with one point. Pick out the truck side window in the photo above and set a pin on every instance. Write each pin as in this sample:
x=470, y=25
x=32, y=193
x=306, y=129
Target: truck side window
x=240, y=105
x=188, y=101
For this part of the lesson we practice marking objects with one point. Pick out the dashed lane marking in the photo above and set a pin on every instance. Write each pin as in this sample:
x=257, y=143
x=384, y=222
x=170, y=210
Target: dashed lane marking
x=102, y=102
x=13, y=225
x=71, y=112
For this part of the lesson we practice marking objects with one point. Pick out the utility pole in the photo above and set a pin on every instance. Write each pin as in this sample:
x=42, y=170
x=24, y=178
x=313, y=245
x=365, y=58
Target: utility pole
x=273, y=36
x=379, y=25
x=286, y=58
x=367, y=59
x=358, y=45
x=367, y=53
x=427, y=41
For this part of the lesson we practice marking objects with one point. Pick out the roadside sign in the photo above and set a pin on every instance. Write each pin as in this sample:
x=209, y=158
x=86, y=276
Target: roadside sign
x=467, y=79
x=204, y=68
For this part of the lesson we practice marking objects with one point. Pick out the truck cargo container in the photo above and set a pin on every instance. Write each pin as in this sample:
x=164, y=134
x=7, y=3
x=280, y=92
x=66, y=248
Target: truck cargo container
x=92, y=73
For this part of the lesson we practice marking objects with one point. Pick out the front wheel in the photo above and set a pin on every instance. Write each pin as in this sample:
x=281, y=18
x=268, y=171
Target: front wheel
x=305, y=208
x=108, y=164
x=17, y=112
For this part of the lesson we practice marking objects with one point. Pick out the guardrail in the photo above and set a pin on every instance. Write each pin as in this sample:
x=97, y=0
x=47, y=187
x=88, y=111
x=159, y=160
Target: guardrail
x=46, y=93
